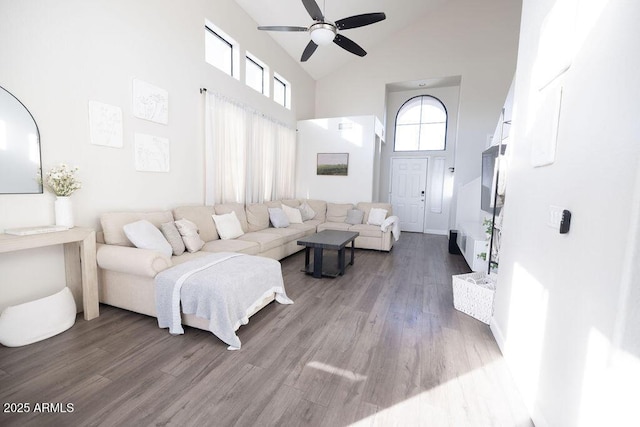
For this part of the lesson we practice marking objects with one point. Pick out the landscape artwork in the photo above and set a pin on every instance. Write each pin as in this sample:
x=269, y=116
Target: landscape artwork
x=333, y=164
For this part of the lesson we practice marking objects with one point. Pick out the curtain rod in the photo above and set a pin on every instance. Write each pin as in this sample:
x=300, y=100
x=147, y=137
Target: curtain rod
x=248, y=108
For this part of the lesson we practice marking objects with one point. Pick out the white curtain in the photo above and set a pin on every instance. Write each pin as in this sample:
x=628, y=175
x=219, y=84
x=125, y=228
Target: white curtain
x=285, y=164
x=249, y=158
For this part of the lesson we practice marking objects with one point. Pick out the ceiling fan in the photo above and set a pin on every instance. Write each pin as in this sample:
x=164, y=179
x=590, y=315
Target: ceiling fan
x=324, y=32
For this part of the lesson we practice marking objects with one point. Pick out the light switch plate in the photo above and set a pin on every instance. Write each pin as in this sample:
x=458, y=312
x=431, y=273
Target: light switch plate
x=554, y=217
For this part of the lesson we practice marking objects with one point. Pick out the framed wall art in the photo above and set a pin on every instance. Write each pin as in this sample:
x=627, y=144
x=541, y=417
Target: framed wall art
x=333, y=164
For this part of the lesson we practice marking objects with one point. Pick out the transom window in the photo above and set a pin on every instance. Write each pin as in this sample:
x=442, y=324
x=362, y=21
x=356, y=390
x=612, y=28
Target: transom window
x=256, y=73
x=221, y=50
x=421, y=125
x=281, y=91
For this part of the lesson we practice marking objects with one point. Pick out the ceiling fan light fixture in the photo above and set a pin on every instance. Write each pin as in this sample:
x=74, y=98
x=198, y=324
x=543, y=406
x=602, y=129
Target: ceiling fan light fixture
x=322, y=34
x=325, y=32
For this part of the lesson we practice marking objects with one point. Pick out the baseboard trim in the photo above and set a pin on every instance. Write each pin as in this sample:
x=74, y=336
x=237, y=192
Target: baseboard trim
x=497, y=334
x=438, y=232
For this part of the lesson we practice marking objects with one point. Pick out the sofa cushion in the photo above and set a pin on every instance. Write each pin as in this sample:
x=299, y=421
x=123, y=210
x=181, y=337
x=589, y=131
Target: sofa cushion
x=366, y=208
x=367, y=230
x=342, y=226
x=292, y=203
x=263, y=238
x=278, y=218
x=187, y=256
x=145, y=235
x=189, y=232
x=201, y=217
x=308, y=227
x=293, y=214
x=273, y=204
x=171, y=233
x=337, y=212
x=234, y=245
x=228, y=225
x=320, y=208
x=354, y=216
x=238, y=208
x=113, y=223
x=287, y=234
x=257, y=216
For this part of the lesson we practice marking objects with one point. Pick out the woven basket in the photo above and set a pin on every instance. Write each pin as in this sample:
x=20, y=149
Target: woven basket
x=473, y=295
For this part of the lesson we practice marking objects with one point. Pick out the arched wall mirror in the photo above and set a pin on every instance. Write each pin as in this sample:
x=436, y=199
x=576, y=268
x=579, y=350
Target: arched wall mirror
x=20, y=161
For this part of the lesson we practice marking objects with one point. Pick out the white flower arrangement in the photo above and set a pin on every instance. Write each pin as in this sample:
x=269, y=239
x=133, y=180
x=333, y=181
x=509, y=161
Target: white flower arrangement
x=62, y=180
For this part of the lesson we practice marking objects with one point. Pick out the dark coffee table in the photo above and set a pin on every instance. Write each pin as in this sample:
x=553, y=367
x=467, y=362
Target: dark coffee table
x=327, y=239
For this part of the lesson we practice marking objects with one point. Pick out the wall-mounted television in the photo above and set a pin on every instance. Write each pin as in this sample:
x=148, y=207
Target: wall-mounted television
x=489, y=157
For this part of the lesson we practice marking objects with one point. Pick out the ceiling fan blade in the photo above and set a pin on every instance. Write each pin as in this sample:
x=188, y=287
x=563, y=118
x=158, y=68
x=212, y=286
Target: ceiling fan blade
x=282, y=28
x=360, y=20
x=308, y=51
x=350, y=45
x=313, y=9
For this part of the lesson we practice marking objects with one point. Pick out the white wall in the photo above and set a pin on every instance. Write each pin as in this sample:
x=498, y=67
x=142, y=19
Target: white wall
x=324, y=136
x=475, y=40
x=59, y=55
x=566, y=309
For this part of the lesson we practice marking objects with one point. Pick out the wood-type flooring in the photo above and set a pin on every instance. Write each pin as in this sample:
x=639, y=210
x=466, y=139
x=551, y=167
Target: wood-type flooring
x=381, y=345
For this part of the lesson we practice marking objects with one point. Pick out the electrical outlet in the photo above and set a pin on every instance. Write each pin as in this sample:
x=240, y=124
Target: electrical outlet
x=554, y=217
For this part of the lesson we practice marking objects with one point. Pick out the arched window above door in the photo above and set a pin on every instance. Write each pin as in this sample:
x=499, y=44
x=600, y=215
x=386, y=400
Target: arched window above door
x=421, y=125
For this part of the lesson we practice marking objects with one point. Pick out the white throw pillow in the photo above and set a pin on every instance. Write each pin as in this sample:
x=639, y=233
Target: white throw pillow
x=278, y=218
x=307, y=212
x=376, y=216
x=293, y=214
x=228, y=226
x=145, y=235
x=189, y=232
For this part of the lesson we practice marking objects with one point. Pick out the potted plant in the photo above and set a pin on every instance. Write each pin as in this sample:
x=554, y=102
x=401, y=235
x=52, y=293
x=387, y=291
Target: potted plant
x=63, y=182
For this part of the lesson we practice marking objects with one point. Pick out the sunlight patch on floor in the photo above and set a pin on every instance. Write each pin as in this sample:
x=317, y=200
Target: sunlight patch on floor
x=454, y=403
x=350, y=375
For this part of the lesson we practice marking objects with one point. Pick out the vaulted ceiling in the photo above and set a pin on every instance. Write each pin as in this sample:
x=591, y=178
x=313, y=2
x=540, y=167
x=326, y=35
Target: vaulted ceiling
x=326, y=59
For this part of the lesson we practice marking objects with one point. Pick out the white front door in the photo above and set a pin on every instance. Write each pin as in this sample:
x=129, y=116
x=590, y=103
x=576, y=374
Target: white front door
x=408, y=192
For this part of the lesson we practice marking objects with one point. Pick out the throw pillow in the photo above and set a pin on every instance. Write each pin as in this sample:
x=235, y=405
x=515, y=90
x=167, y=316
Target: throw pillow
x=306, y=212
x=171, y=233
x=354, y=216
x=278, y=218
x=228, y=225
x=145, y=235
x=293, y=214
x=189, y=232
x=377, y=216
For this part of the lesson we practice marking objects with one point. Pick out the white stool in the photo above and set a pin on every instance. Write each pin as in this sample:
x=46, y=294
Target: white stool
x=37, y=320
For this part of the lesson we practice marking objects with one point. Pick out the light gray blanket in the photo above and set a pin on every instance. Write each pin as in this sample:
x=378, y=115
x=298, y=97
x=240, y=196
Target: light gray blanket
x=221, y=287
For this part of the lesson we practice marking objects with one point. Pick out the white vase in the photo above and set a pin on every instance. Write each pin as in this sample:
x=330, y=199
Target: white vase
x=64, y=211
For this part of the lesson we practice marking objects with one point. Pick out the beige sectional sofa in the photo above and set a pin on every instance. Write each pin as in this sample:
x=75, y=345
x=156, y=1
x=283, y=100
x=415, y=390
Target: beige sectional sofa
x=126, y=273
x=371, y=236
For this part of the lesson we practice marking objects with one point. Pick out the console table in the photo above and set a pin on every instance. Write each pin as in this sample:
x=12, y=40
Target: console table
x=79, y=258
